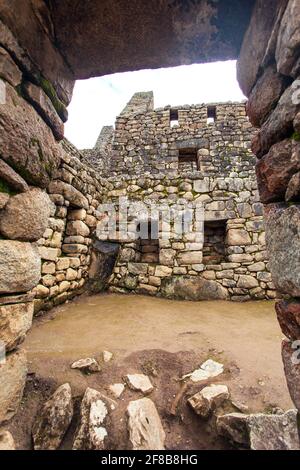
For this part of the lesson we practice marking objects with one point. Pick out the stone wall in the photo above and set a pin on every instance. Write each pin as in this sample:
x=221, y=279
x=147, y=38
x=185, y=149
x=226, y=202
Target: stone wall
x=269, y=74
x=231, y=202
x=66, y=245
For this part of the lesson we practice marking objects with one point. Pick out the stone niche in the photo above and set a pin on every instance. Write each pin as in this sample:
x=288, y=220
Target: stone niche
x=214, y=247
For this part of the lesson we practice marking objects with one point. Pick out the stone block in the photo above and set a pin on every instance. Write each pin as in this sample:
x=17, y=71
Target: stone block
x=12, y=381
x=20, y=266
x=15, y=321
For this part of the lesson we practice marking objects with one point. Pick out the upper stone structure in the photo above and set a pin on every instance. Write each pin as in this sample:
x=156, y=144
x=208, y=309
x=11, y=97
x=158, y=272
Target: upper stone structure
x=206, y=138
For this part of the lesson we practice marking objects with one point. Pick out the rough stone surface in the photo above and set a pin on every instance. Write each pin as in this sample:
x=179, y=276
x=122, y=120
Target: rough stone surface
x=6, y=441
x=42, y=103
x=233, y=426
x=192, y=288
x=117, y=389
x=20, y=266
x=103, y=259
x=238, y=237
x=288, y=315
x=12, y=178
x=4, y=198
x=274, y=432
x=208, y=399
x=25, y=217
x=265, y=95
x=53, y=421
x=293, y=188
x=255, y=43
x=139, y=382
x=275, y=170
x=207, y=370
x=288, y=42
x=283, y=244
x=12, y=381
x=30, y=149
x=91, y=433
x=291, y=361
x=145, y=428
x=15, y=321
x=75, y=197
x=8, y=69
x=87, y=365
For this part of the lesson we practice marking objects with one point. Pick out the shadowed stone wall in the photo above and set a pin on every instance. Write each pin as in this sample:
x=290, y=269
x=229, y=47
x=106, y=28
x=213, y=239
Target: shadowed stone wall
x=269, y=74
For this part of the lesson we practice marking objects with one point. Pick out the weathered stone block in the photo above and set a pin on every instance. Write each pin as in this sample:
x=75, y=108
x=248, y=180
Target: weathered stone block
x=30, y=149
x=275, y=170
x=247, y=282
x=42, y=103
x=192, y=257
x=20, y=266
x=291, y=362
x=12, y=381
x=49, y=254
x=192, y=288
x=9, y=71
x=25, y=216
x=12, y=178
x=167, y=256
x=77, y=227
x=238, y=236
x=265, y=95
x=15, y=321
x=75, y=197
x=283, y=245
x=288, y=315
x=288, y=41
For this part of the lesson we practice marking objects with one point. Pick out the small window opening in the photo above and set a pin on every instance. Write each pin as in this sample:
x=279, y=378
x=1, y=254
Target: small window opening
x=214, y=242
x=187, y=159
x=174, y=117
x=148, y=244
x=211, y=114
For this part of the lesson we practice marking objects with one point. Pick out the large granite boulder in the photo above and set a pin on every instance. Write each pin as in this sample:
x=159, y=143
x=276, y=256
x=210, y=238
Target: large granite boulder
x=53, y=420
x=192, y=288
x=275, y=170
x=20, y=266
x=25, y=216
x=288, y=315
x=13, y=373
x=15, y=321
x=291, y=361
x=288, y=41
x=27, y=143
x=15, y=181
x=283, y=245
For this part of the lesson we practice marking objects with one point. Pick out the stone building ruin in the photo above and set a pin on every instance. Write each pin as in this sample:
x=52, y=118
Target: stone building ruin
x=48, y=193
x=204, y=158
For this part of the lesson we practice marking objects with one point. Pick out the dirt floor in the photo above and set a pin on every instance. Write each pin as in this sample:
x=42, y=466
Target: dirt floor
x=164, y=339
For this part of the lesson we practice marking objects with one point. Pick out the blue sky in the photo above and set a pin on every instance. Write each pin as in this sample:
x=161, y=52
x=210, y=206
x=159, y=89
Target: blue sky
x=96, y=102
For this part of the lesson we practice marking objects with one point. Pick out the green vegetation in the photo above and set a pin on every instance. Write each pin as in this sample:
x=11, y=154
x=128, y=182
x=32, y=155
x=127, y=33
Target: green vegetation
x=296, y=136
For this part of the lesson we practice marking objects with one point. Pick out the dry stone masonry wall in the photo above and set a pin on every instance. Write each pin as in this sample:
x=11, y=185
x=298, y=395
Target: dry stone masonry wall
x=269, y=74
x=203, y=158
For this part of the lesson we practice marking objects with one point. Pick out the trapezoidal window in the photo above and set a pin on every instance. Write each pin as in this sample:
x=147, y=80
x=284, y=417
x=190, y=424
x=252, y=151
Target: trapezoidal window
x=148, y=243
x=211, y=114
x=188, y=159
x=214, y=242
x=174, y=117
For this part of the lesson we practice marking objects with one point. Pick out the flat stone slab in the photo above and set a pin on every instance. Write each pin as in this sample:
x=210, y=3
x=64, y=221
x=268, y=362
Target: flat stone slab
x=145, y=428
x=208, y=399
x=91, y=433
x=54, y=419
x=117, y=389
x=89, y=365
x=139, y=382
x=207, y=370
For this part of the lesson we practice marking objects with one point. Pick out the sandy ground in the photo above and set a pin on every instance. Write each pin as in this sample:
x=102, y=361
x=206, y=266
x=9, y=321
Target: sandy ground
x=164, y=339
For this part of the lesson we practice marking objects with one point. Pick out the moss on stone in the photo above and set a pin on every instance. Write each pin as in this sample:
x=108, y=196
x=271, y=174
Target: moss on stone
x=296, y=136
x=52, y=95
x=5, y=188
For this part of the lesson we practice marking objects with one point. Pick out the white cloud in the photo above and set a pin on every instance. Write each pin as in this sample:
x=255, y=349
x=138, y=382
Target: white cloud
x=96, y=102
